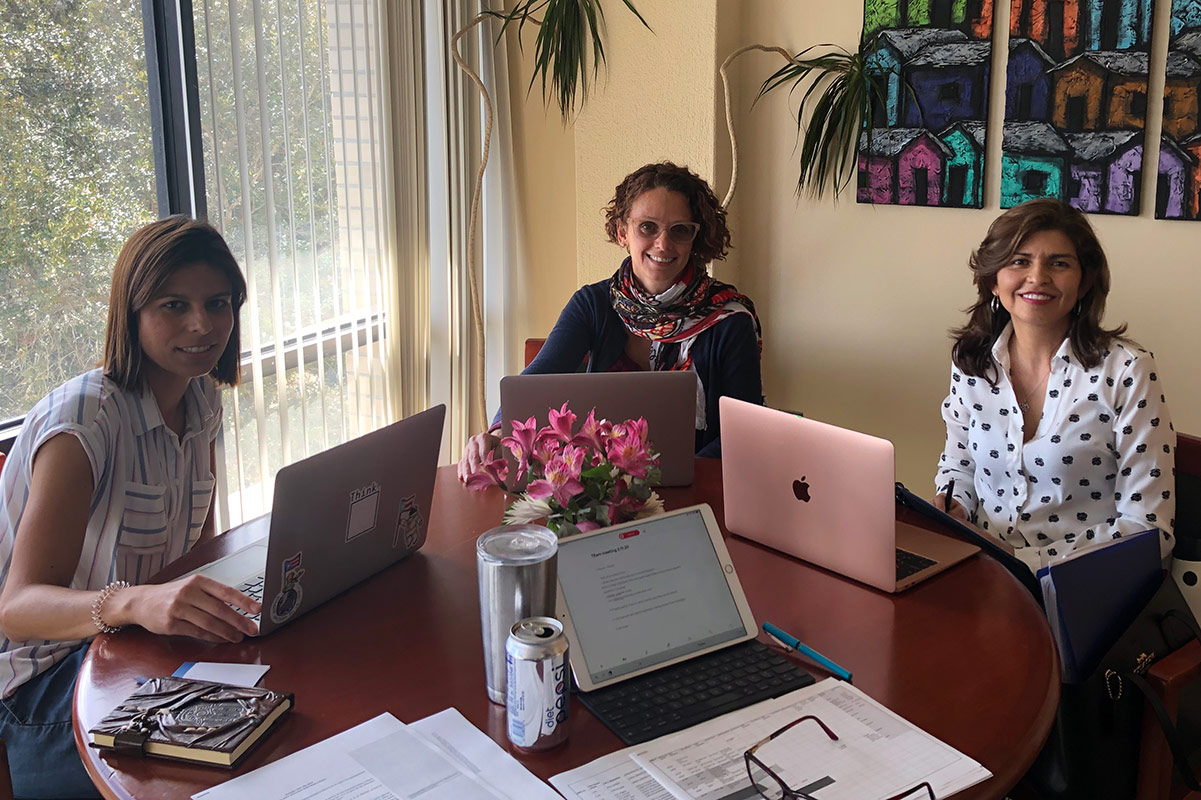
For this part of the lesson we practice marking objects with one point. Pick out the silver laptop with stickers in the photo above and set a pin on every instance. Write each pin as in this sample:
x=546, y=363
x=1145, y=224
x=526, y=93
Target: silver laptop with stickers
x=337, y=518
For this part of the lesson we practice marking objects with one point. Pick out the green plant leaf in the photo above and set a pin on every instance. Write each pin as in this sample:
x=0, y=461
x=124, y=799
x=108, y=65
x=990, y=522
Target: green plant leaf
x=569, y=45
x=835, y=108
x=599, y=472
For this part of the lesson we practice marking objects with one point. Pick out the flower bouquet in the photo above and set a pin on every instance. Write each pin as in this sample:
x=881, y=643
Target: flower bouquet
x=578, y=480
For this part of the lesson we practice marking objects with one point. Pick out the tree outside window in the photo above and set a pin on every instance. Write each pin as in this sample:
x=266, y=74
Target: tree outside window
x=76, y=178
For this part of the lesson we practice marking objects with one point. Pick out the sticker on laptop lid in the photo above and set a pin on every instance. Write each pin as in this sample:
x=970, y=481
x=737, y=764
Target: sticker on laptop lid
x=287, y=602
x=364, y=506
x=408, y=524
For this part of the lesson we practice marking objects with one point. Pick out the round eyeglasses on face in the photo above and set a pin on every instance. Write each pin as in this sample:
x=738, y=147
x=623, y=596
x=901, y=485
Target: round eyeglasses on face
x=678, y=232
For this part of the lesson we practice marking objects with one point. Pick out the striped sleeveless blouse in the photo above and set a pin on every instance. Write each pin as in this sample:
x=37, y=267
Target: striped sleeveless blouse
x=151, y=494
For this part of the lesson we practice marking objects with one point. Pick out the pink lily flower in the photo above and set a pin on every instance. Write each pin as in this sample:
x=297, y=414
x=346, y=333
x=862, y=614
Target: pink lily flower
x=594, y=432
x=583, y=526
x=627, y=448
x=573, y=459
x=521, y=444
x=545, y=448
x=560, y=481
x=561, y=423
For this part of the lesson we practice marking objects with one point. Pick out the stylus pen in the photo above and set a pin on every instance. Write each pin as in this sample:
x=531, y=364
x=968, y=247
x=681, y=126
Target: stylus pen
x=946, y=500
x=791, y=641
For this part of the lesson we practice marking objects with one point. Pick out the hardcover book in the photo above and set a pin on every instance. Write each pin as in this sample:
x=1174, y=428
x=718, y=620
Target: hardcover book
x=190, y=720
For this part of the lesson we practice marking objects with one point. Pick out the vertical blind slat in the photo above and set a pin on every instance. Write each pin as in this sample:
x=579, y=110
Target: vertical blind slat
x=330, y=180
x=292, y=233
x=363, y=289
x=378, y=407
x=312, y=216
x=281, y=373
x=256, y=364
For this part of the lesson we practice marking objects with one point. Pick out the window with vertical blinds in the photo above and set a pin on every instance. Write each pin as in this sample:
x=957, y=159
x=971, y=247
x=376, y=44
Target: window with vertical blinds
x=294, y=113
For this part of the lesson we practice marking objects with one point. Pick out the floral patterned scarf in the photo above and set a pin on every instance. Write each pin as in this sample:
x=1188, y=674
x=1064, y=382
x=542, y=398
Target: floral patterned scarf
x=695, y=303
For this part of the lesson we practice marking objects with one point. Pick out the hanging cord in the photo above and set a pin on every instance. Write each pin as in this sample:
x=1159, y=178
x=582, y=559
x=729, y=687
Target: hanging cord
x=725, y=87
x=478, y=414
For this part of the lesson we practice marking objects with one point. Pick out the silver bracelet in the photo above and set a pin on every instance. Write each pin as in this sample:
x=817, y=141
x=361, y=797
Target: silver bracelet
x=98, y=606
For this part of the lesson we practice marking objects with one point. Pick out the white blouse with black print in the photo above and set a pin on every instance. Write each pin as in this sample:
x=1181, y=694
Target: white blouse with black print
x=1099, y=466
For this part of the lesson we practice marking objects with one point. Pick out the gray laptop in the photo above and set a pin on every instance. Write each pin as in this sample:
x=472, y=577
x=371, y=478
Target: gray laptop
x=337, y=518
x=667, y=400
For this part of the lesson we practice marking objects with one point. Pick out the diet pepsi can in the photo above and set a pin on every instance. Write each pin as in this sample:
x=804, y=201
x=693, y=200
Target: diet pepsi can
x=536, y=705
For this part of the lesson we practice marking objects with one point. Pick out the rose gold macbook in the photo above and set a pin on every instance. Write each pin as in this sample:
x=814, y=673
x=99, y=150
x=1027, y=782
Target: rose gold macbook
x=826, y=495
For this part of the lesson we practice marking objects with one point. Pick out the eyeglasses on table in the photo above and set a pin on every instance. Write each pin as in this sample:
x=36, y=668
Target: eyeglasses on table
x=771, y=786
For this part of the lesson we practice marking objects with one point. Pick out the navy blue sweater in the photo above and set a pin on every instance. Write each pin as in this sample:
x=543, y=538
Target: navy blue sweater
x=726, y=356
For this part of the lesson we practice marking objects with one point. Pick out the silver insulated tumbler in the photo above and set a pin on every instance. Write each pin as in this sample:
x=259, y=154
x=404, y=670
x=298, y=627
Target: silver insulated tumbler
x=517, y=570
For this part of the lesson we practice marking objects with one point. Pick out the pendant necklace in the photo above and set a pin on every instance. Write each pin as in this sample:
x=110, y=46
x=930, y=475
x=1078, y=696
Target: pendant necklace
x=1024, y=405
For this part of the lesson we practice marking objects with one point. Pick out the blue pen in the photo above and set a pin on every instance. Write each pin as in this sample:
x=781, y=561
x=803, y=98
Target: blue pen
x=791, y=641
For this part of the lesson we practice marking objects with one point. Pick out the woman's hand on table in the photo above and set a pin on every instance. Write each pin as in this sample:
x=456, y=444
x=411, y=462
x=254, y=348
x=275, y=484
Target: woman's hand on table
x=195, y=606
x=476, y=452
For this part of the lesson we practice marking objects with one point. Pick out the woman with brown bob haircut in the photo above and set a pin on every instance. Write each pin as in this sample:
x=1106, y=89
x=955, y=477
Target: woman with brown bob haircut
x=661, y=309
x=110, y=479
x=1058, y=433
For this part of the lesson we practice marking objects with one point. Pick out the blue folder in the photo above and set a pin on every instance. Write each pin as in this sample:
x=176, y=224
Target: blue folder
x=1098, y=595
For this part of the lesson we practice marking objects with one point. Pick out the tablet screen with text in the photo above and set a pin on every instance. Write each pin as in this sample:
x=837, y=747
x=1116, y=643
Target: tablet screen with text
x=646, y=593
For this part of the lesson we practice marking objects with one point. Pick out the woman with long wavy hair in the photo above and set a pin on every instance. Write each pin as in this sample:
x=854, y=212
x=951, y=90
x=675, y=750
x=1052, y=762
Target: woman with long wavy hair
x=1058, y=433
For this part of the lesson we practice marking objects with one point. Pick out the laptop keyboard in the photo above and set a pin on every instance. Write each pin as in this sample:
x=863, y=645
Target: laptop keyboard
x=683, y=695
x=911, y=563
x=254, y=589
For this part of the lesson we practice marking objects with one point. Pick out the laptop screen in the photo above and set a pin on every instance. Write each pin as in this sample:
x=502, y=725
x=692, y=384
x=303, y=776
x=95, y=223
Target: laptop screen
x=646, y=593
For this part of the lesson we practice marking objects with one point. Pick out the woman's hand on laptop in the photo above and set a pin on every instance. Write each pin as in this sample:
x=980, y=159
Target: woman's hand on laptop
x=195, y=606
x=477, y=450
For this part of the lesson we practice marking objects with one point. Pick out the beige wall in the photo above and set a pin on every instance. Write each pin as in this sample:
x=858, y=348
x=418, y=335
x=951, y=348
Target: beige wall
x=655, y=103
x=544, y=160
x=855, y=300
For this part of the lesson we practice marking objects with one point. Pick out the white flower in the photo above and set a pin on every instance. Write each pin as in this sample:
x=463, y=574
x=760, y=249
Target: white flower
x=526, y=509
x=652, y=506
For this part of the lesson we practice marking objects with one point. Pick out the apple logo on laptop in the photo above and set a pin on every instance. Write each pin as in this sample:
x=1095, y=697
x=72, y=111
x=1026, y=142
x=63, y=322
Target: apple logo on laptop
x=801, y=489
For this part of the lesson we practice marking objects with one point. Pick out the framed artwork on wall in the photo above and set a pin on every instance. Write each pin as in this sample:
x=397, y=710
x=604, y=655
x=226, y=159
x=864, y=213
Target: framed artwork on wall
x=927, y=141
x=1178, y=191
x=1076, y=103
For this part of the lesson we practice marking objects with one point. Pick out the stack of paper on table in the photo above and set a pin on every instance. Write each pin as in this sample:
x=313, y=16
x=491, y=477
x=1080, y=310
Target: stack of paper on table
x=442, y=757
x=877, y=755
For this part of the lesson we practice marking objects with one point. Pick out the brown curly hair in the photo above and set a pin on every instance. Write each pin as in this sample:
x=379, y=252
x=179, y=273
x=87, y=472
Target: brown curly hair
x=972, y=351
x=712, y=241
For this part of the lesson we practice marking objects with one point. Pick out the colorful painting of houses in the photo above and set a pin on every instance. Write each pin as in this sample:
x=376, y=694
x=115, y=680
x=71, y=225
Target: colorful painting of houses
x=926, y=142
x=1178, y=191
x=1076, y=103
x=1065, y=28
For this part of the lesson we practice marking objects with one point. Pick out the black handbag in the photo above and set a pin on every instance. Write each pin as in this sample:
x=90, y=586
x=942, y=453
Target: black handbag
x=1093, y=749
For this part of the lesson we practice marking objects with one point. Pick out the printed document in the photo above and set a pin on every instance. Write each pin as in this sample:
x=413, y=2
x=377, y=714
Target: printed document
x=383, y=759
x=877, y=755
x=616, y=776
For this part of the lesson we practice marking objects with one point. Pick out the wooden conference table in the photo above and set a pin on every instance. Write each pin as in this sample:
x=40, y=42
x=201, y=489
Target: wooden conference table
x=966, y=655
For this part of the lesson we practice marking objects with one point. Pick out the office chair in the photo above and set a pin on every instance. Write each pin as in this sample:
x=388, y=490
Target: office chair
x=1178, y=672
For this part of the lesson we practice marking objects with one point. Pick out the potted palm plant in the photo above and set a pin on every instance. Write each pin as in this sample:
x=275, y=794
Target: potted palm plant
x=838, y=87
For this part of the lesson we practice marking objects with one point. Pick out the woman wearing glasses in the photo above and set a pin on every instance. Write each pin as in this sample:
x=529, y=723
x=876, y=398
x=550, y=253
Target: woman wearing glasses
x=1058, y=434
x=660, y=310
